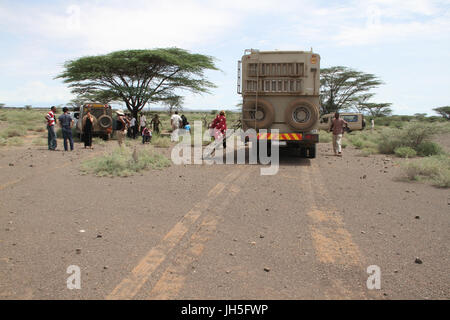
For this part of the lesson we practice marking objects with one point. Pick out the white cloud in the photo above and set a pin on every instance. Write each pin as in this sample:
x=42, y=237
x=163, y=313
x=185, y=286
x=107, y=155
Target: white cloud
x=46, y=35
x=33, y=92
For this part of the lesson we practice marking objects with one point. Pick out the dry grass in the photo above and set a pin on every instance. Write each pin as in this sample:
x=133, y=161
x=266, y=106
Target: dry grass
x=434, y=169
x=122, y=162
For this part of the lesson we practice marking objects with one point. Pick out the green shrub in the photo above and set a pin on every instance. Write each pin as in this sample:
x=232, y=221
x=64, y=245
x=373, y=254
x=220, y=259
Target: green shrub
x=396, y=124
x=15, y=141
x=11, y=132
x=124, y=162
x=325, y=137
x=405, y=152
x=415, y=133
x=435, y=169
x=429, y=148
x=161, y=142
x=365, y=152
x=98, y=141
x=389, y=140
x=412, y=135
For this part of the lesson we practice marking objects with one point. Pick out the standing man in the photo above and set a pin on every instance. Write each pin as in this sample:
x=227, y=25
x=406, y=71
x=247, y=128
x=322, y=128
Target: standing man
x=175, y=122
x=51, y=121
x=121, y=126
x=133, y=127
x=337, y=127
x=142, y=123
x=156, y=123
x=372, y=124
x=66, y=123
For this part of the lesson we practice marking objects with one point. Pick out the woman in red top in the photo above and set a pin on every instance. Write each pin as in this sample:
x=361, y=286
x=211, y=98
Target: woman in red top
x=220, y=127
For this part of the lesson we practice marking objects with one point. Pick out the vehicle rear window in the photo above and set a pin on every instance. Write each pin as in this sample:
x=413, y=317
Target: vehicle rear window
x=350, y=118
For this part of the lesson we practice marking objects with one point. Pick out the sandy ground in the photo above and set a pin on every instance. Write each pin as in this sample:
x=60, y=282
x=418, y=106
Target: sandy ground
x=220, y=231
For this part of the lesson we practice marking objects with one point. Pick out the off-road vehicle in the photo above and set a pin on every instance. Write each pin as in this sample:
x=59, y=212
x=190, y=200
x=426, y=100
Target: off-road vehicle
x=280, y=90
x=355, y=121
x=103, y=120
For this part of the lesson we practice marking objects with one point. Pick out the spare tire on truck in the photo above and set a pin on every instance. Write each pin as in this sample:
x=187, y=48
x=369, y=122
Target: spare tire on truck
x=301, y=115
x=105, y=121
x=261, y=117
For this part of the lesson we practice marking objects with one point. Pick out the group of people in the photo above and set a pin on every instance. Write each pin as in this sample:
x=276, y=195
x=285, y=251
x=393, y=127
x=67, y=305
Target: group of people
x=66, y=123
x=178, y=122
x=125, y=125
x=217, y=127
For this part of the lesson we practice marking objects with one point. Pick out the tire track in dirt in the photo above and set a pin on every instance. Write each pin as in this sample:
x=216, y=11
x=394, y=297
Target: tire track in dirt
x=172, y=281
x=339, y=257
x=131, y=285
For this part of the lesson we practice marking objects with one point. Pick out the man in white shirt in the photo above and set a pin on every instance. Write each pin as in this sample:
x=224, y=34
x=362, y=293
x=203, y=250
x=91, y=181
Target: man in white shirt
x=175, y=122
x=142, y=122
x=133, y=127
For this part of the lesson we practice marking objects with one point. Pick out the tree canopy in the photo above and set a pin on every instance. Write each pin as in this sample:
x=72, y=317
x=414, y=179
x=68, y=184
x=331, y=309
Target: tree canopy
x=138, y=77
x=174, y=103
x=443, y=111
x=342, y=88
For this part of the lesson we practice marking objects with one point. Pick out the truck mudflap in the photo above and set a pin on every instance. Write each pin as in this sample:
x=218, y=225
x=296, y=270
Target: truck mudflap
x=304, y=137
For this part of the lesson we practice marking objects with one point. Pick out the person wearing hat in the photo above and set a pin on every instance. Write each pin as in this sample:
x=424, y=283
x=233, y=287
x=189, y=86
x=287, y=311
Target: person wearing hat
x=121, y=126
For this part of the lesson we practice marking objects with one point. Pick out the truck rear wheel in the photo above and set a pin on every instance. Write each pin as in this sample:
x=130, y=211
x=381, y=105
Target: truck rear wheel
x=301, y=115
x=312, y=152
x=260, y=117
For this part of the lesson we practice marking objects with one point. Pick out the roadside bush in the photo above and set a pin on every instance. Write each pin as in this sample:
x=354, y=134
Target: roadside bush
x=325, y=137
x=11, y=132
x=389, y=140
x=161, y=142
x=15, y=141
x=124, y=162
x=98, y=141
x=435, y=169
x=365, y=152
x=412, y=135
x=418, y=132
x=405, y=152
x=429, y=148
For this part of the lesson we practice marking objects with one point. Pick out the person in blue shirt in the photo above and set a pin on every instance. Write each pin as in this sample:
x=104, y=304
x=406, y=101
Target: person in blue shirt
x=66, y=123
x=187, y=127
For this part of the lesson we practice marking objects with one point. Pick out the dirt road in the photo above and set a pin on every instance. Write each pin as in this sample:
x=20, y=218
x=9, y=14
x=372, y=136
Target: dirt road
x=220, y=231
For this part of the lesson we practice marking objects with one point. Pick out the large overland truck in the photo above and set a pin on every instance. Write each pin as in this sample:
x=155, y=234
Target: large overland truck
x=280, y=90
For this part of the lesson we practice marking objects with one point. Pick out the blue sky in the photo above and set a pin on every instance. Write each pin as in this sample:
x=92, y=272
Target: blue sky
x=405, y=43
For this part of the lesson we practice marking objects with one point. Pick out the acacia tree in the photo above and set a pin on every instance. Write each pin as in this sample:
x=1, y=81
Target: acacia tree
x=443, y=111
x=341, y=87
x=377, y=109
x=138, y=77
x=174, y=103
